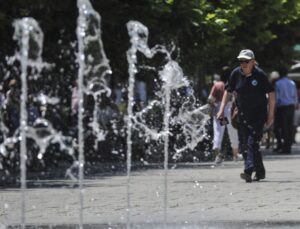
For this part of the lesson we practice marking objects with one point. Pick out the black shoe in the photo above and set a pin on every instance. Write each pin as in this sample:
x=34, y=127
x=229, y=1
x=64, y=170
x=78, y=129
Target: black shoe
x=246, y=177
x=259, y=177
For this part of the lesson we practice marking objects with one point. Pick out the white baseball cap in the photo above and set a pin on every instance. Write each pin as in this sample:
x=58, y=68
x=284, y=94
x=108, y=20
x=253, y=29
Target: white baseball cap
x=246, y=54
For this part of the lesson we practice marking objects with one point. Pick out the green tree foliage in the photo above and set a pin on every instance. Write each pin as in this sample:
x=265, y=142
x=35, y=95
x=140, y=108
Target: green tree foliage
x=207, y=34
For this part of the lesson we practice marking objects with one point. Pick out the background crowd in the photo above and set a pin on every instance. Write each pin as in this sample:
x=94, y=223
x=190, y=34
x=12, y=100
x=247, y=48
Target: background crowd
x=200, y=35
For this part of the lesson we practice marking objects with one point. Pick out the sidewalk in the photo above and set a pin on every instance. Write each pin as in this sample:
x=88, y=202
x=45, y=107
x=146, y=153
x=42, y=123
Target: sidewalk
x=199, y=196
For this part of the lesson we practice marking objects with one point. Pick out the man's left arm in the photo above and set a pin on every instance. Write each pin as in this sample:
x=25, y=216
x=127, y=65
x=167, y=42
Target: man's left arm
x=271, y=109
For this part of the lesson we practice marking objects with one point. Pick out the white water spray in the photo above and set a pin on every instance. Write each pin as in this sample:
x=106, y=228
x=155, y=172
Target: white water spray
x=27, y=32
x=173, y=78
x=93, y=75
x=139, y=42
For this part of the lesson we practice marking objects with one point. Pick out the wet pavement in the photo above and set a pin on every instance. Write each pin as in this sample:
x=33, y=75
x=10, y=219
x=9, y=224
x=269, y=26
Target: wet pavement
x=200, y=195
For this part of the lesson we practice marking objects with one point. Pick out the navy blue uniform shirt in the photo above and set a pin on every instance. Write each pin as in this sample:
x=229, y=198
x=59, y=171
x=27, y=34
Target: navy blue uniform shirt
x=251, y=93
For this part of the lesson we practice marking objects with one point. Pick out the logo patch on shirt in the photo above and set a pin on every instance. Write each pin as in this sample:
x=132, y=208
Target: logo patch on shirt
x=254, y=82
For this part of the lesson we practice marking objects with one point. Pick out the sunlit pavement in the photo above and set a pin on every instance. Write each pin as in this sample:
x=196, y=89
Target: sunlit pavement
x=198, y=196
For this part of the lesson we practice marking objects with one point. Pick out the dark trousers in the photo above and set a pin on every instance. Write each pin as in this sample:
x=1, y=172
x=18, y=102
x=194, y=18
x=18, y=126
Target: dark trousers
x=285, y=117
x=250, y=136
x=277, y=131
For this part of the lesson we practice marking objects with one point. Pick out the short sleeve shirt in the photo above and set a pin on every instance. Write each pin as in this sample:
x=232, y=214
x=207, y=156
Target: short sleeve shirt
x=217, y=91
x=251, y=92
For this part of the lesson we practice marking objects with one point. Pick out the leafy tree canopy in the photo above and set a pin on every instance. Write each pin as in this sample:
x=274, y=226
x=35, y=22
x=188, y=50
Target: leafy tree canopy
x=207, y=34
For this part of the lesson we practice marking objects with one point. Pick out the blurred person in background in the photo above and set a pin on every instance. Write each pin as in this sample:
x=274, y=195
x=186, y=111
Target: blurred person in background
x=297, y=112
x=12, y=104
x=286, y=105
x=214, y=99
x=272, y=132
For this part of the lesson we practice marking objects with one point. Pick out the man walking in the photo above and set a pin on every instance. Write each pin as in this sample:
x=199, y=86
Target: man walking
x=255, y=101
x=286, y=103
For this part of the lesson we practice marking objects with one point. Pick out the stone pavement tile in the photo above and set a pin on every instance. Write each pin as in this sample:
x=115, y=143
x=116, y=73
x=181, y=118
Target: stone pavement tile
x=195, y=194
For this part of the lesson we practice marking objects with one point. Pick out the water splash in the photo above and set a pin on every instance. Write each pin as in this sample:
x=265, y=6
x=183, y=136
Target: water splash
x=44, y=134
x=194, y=123
x=93, y=76
x=172, y=79
x=30, y=38
x=139, y=43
